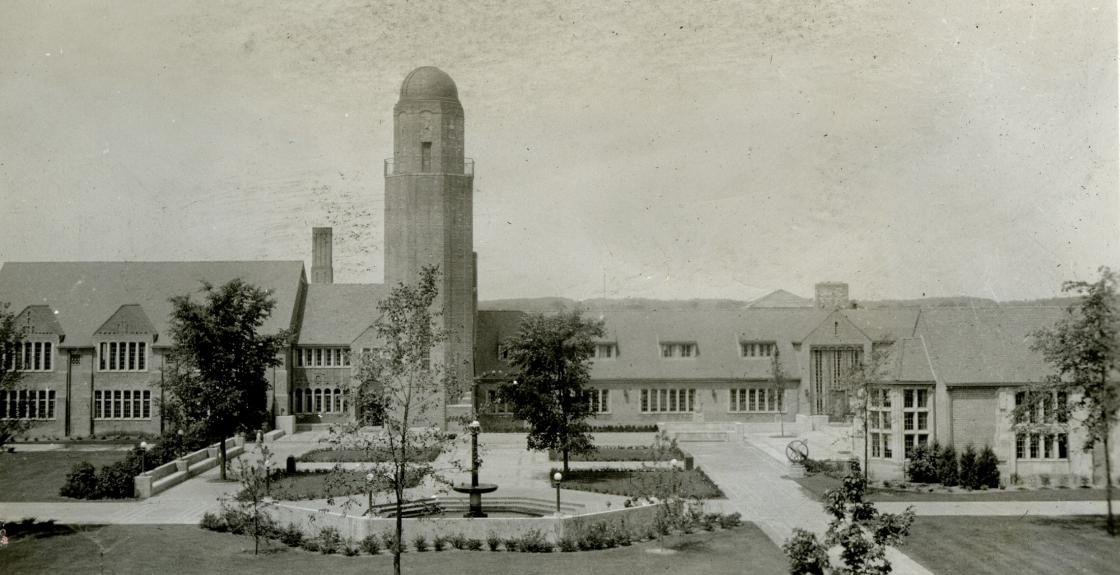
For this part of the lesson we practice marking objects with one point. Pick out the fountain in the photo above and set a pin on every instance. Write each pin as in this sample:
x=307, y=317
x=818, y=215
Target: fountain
x=475, y=489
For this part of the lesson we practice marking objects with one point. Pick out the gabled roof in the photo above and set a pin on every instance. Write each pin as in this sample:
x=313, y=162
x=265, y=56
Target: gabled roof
x=337, y=314
x=884, y=324
x=780, y=299
x=910, y=362
x=129, y=319
x=988, y=345
x=38, y=319
x=87, y=294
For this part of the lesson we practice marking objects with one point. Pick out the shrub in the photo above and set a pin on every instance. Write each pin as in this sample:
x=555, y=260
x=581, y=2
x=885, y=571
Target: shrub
x=728, y=521
x=474, y=544
x=458, y=541
x=922, y=467
x=533, y=541
x=807, y=556
x=291, y=535
x=947, y=471
x=987, y=468
x=439, y=542
x=420, y=543
x=568, y=544
x=235, y=520
x=212, y=522
x=81, y=482
x=493, y=541
x=329, y=540
x=968, y=470
x=349, y=549
x=620, y=534
x=389, y=541
x=310, y=544
x=511, y=544
x=116, y=481
x=371, y=544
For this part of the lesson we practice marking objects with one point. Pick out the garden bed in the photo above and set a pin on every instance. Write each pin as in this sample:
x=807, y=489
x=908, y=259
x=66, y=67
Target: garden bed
x=328, y=455
x=621, y=453
x=817, y=484
x=304, y=485
x=637, y=483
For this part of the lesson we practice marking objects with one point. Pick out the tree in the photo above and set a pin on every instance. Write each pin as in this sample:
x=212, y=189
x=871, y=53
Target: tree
x=862, y=381
x=861, y=531
x=666, y=488
x=11, y=343
x=1083, y=348
x=255, y=484
x=777, y=387
x=403, y=391
x=216, y=377
x=552, y=357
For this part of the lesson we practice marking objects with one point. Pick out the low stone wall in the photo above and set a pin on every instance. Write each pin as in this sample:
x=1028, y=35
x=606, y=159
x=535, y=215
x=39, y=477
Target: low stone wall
x=172, y=473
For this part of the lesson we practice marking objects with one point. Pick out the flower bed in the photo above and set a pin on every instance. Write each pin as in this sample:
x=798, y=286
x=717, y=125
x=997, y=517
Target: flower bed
x=637, y=483
x=328, y=455
x=621, y=453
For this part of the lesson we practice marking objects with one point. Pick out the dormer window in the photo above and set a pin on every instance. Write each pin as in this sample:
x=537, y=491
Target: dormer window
x=757, y=348
x=686, y=349
x=607, y=350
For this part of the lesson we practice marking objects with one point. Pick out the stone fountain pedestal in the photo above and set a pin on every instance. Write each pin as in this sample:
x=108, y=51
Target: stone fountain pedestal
x=475, y=492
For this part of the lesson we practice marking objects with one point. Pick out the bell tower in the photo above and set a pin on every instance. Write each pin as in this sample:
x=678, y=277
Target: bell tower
x=429, y=213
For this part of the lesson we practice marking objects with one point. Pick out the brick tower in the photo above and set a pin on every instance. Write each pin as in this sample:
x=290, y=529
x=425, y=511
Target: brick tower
x=429, y=212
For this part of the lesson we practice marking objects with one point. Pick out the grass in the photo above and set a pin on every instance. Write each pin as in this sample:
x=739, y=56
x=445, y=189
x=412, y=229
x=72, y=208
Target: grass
x=620, y=453
x=636, y=483
x=364, y=456
x=38, y=475
x=304, y=485
x=1020, y=545
x=162, y=548
x=818, y=483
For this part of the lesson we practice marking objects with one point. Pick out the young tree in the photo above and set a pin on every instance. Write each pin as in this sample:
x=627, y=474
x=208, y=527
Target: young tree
x=552, y=357
x=667, y=488
x=403, y=391
x=1084, y=350
x=777, y=387
x=11, y=343
x=255, y=483
x=862, y=381
x=216, y=380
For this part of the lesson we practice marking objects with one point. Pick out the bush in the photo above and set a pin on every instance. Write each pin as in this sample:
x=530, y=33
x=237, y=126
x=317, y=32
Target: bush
x=968, y=470
x=81, y=482
x=116, y=481
x=389, y=541
x=458, y=541
x=310, y=544
x=349, y=550
x=533, y=541
x=731, y=520
x=807, y=556
x=493, y=541
x=987, y=468
x=329, y=540
x=420, y=543
x=923, y=465
x=235, y=520
x=212, y=522
x=371, y=544
x=474, y=544
x=291, y=536
x=439, y=542
x=568, y=544
x=947, y=472
x=512, y=544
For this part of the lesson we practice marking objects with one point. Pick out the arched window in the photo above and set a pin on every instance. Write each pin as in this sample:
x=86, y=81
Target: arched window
x=318, y=400
x=338, y=400
x=328, y=400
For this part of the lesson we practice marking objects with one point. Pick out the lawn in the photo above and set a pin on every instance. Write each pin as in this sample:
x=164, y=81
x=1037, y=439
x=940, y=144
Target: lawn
x=1019, y=545
x=620, y=453
x=188, y=549
x=364, y=456
x=38, y=475
x=818, y=483
x=304, y=485
x=635, y=483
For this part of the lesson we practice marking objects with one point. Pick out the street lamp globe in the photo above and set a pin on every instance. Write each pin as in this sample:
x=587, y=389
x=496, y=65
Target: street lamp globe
x=144, y=445
x=369, y=478
x=557, y=477
x=673, y=463
x=474, y=425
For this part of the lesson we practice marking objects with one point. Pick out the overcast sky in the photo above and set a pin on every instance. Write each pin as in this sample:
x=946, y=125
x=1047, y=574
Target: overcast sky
x=674, y=149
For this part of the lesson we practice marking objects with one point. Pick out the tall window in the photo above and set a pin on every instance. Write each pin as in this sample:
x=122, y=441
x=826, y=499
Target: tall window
x=879, y=423
x=27, y=404
x=681, y=350
x=606, y=350
x=756, y=348
x=32, y=356
x=668, y=400
x=915, y=418
x=599, y=400
x=426, y=157
x=755, y=400
x=494, y=403
x=122, y=356
x=122, y=404
x=1042, y=429
x=828, y=365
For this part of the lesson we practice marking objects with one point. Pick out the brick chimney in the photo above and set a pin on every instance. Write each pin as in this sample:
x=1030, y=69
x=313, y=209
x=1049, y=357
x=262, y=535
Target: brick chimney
x=322, y=261
x=832, y=295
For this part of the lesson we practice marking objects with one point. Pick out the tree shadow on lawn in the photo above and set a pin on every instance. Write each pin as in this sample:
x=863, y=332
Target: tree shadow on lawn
x=32, y=528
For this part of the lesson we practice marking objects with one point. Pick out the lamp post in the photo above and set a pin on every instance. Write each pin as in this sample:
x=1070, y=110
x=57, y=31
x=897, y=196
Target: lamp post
x=556, y=477
x=369, y=486
x=474, y=427
x=143, y=451
x=180, y=435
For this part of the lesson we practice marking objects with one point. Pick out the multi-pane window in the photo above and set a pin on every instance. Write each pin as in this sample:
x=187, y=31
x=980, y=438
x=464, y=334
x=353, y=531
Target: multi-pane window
x=606, y=350
x=599, y=400
x=318, y=400
x=322, y=357
x=915, y=418
x=31, y=356
x=1043, y=434
x=747, y=400
x=1041, y=446
x=757, y=348
x=668, y=400
x=1050, y=407
x=27, y=404
x=682, y=349
x=494, y=403
x=122, y=356
x=122, y=404
x=879, y=423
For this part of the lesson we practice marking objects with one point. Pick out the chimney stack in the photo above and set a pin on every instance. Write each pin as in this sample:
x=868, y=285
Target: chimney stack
x=832, y=295
x=322, y=262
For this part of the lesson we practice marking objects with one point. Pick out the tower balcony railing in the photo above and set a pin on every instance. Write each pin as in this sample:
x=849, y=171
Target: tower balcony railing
x=468, y=168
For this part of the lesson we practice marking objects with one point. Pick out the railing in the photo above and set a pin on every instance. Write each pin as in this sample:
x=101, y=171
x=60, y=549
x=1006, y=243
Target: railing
x=468, y=167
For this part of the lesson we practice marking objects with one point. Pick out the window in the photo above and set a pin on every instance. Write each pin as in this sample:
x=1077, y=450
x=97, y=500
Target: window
x=1041, y=434
x=494, y=403
x=503, y=352
x=1041, y=446
x=668, y=400
x=122, y=356
x=322, y=357
x=756, y=400
x=879, y=423
x=682, y=350
x=915, y=418
x=27, y=404
x=599, y=400
x=1050, y=407
x=827, y=366
x=426, y=157
x=32, y=356
x=75, y=358
x=606, y=350
x=122, y=404
x=757, y=348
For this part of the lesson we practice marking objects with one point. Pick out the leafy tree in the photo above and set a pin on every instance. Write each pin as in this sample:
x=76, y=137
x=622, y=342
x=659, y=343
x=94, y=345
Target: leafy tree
x=1084, y=350
x=948, y=472
x=255, y=481
x=861, y=380
x=403, y=392
x=857, y=527
x=552, y=357
x=215, y=381
x=11, y=342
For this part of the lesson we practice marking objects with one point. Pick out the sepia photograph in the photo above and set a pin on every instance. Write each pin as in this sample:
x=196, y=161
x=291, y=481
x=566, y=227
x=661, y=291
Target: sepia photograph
x=807, y=287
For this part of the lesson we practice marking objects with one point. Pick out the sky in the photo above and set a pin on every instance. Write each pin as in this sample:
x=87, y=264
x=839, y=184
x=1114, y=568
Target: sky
x=657, y=149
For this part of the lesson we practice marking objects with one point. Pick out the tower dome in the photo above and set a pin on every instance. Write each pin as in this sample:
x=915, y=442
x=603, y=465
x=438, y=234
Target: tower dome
x=429, y=83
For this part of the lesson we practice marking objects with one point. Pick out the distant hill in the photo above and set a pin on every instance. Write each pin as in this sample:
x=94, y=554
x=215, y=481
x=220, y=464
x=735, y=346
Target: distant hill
x=555, y=304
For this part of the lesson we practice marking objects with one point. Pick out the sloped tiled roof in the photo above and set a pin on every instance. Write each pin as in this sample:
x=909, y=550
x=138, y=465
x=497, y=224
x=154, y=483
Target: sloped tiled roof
x=910, y=363
x=977, y=346
x=884, y=324
x=780, y=299
x=128, y=319
x=39, y=319
x=86, y=294
x=336, y=314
